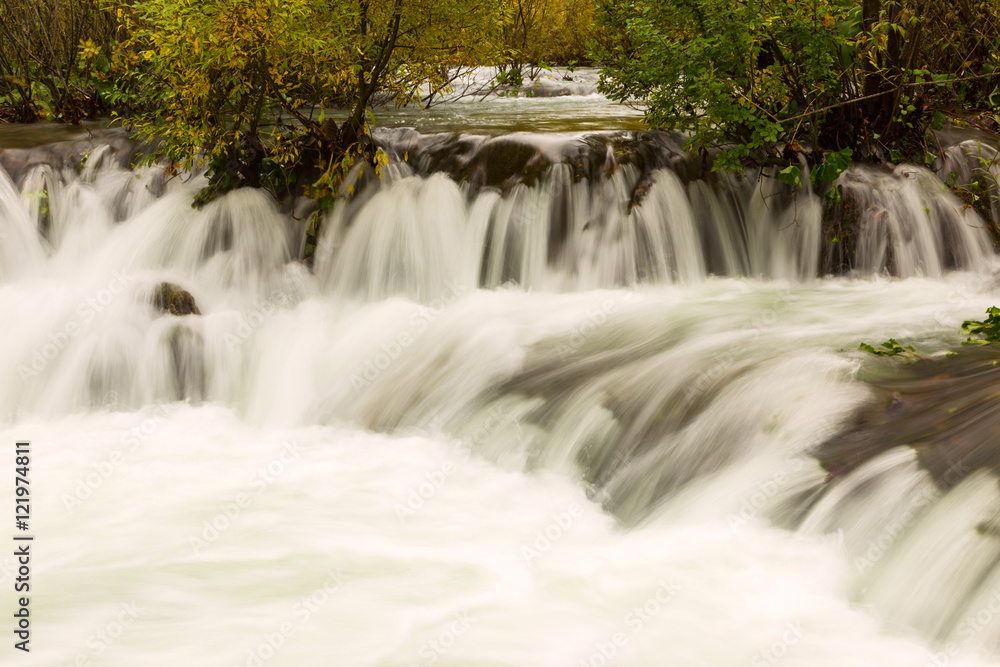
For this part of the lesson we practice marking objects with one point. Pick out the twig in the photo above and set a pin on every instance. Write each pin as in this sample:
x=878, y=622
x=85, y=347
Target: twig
x=966, y=120
x=994, y=75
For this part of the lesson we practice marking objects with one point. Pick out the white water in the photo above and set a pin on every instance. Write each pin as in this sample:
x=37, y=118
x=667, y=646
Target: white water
x=554, y=101
x=383, y=446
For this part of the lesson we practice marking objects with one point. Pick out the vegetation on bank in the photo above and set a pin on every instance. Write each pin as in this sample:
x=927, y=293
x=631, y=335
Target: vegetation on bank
x=56, y=59
x=872, y=79
x=245, y=82
x=241, y=83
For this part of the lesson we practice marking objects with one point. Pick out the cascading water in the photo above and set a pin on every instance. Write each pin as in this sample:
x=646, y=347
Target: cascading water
x=568, y=414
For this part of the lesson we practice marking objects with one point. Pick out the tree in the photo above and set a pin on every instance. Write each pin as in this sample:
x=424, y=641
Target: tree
x=752, y=74
x=243, y=83
x=537, y=33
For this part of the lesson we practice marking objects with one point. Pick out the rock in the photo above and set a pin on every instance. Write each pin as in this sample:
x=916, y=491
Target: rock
x=944, y=409
x=551, y=92
x=171, y=299
x=17, y=162
x=504, y=162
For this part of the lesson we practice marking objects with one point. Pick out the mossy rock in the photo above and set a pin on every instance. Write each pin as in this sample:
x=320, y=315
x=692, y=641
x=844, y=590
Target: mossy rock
x=503, y=162
x=171, y=299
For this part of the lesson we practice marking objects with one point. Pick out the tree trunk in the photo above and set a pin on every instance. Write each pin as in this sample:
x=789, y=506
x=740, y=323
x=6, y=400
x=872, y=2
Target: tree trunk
x=870, y=10
x=893, y=74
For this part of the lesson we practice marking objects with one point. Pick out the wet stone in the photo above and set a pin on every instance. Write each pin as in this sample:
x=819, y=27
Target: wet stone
x=171, y=299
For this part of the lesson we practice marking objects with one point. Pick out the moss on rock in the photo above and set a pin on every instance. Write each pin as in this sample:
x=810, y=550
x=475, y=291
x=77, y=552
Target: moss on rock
x=171, y=299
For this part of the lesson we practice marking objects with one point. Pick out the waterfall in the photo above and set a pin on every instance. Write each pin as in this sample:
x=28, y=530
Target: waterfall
x=622, y=225
x=528, y=385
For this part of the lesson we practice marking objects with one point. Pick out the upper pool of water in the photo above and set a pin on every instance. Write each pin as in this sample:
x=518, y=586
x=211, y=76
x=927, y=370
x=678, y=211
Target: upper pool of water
x=560, y=101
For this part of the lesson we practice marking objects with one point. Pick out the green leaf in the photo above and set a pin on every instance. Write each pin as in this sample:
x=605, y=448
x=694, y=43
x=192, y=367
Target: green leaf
x=891, y=348
x=834, y=164
x=937, y=120
x=790, y=176
x=989, y=328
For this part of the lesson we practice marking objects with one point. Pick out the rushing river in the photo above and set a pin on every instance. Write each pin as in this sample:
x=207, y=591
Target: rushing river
x=463, y=439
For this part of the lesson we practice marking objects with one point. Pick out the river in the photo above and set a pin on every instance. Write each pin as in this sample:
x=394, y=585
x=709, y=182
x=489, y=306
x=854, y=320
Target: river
x=463, y=439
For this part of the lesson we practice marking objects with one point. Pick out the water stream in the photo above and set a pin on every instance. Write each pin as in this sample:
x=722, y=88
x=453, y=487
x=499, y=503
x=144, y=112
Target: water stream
x=545, y=422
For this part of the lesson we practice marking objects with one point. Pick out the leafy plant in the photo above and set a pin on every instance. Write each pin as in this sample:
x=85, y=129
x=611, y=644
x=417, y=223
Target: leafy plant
x=242, y=85
x=790, y=175
x=834, y=164
x=755, y=76
x=892, y=348
x=733, y=74
x=533, y=33
x=989, y=329
x=55, y=58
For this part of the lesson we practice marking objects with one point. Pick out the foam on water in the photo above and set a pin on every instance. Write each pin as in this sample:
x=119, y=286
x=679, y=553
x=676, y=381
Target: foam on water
x=221, y=537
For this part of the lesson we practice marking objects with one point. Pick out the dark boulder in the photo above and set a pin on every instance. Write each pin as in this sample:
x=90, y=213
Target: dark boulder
x=171, y=299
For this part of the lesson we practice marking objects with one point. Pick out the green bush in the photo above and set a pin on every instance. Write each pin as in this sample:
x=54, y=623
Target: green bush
x=763, y=76
x=55, y=58
x=244, y=84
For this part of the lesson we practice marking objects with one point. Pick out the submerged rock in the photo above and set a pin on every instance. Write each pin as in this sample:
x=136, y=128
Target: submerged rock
x=171, y=299
x=185, y=377
x=947, y=410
